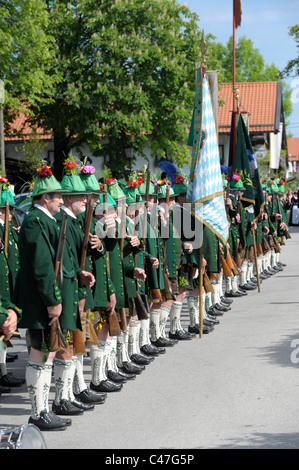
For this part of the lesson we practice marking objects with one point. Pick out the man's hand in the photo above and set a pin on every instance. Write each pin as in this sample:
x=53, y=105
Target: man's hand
x=188, y=247
x=154, y=263
x=54, y=312
x=87, y=279
x=134, y=241
x=81, y=306
x=111, y=304
x=10, y=324
x=139, y=274
x=95, y=242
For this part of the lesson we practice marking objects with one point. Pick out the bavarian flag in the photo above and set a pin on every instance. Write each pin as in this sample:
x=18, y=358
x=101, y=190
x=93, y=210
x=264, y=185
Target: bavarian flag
x=205, y=188
x=245, y=165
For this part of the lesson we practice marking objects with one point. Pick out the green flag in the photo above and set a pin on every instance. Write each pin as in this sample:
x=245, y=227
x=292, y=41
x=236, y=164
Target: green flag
x=246, y=164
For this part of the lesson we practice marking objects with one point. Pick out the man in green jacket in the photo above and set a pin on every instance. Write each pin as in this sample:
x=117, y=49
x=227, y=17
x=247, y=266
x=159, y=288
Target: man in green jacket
x=41, y=298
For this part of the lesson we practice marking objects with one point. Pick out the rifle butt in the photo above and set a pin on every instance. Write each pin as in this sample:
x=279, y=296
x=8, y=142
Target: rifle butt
x=140, y=308
x=114, y=328
x=207, y=283
x=226, y=271
x=57, y=338
x=78, y=344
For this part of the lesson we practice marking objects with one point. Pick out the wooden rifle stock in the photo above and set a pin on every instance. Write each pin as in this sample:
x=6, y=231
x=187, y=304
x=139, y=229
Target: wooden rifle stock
x=6, y=228
x=122, y=311
x=207, y=283
x=168, y=290
x=156, y=295
x=226, y=271
x=77, y=335
x=114, y=328
x=232, y=264
x=287, y=233
x=57, y=338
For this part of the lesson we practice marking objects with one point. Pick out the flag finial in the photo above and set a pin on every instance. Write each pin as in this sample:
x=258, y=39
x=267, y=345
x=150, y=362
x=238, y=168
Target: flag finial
x=203, y=50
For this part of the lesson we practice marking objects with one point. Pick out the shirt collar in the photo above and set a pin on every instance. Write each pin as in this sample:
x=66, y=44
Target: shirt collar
x=45, y=211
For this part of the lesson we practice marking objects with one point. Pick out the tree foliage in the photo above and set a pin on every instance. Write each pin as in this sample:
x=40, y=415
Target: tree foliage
x=292, y=66
x=25, y=52
x=128, y=70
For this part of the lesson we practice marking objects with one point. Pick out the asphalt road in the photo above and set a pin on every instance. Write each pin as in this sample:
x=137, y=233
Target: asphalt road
x=236, y=388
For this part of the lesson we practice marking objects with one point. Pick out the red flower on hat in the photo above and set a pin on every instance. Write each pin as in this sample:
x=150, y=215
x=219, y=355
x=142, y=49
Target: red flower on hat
x=110, y=180
x=44, y=171
x=133, y=184
x=179, y=179
x=236, y=178
x=140, y=180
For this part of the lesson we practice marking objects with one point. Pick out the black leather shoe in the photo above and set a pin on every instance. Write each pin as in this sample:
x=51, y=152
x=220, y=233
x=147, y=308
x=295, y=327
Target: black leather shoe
x=180, y=335
x=150, y=358
x=140, y=360
x=4, y=389
x=106, y=386
x=163, y=343
x=267, y=272
x=227, y=306
x=223, y=308
x=278, y=268
x=224, y=300
x=11, y=357
x=132, y=368
x=247, y=287
x=212, y=319
x=67, y=421
x=120, y=373
x=215, y=311
x=205, y=328
x=9, y=380
x=279, y=263
x=116, y=377
x=48, y=422
x=151, y=350
x=233, y=294
x=66, y=408
x=90, y=396
x=83, y=406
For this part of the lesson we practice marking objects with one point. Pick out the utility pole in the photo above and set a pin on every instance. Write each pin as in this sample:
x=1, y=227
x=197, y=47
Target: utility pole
x=2, y=146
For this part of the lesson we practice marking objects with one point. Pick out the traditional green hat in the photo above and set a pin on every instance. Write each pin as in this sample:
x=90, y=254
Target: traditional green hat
x=114, y=189
x=45, y=182
x=280, y=185
x=163, y=191
x=73, y=184
x=100, y=205
x=122, y=183
x=132, y=195
x=273, y=186
x=236, y=184
x=6, y=192
x=89, y=180
x=142, y=189
x=225, y=183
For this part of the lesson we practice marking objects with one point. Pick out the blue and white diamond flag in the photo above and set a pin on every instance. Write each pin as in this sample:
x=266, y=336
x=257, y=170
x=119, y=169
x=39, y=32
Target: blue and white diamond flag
x=205, y=189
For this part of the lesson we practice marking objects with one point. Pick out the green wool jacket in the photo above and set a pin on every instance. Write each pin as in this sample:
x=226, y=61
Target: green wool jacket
x=211, y=251
x=4, y=305
x=189, y=230
x=154, y=249
x=36, y=287
x=13, y=256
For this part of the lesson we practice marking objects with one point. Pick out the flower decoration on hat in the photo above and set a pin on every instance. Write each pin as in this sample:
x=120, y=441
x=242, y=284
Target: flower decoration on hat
x=180, y=179
x=87, y=170
x=71, y=166
x=44, y=171
x=111, y=180
x=4, y=183
x=236, y=177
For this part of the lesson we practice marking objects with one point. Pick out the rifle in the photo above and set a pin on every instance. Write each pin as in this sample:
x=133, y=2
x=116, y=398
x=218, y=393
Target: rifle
x=114, y=328
x=57, y=338
x=156, y=293
x=141, y=310
x=255, y=259
x=287, y=234
x=232, y=264
x=168, y=291
x=122, y=311
x=207, y=283
x=77, y=335
x=6, y=227
x=226, y=271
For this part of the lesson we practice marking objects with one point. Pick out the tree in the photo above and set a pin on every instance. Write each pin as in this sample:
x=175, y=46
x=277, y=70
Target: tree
x=25, y=50
x=293, y=65
x=128, y=70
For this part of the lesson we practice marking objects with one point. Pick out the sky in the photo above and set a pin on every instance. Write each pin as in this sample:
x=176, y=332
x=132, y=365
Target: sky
x=266, y=23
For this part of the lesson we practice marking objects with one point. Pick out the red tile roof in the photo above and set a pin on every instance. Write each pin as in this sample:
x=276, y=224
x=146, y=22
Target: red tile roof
x=19, y=125
x=259, y=99
x=293, y=147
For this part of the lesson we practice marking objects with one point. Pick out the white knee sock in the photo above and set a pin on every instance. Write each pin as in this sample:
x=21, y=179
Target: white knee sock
x=175, y=315
x=79, y=382
x=111, y=360
x=155, y=324
x=97, y=357
x=38, y=379
x=164, y=314
x=144, y=338
x=133, y=344
x=193, y=307
x=64, y=372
